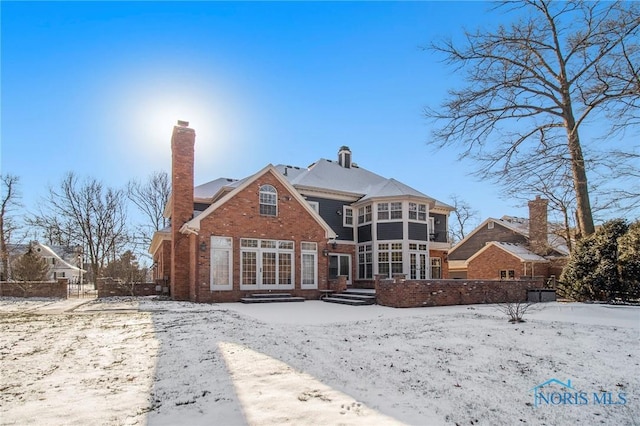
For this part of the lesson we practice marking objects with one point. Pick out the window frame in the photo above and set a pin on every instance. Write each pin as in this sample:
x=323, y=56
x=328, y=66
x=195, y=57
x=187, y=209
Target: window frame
x=216, y=247
x=306, y=250
x=268, y=200
x=347, y=213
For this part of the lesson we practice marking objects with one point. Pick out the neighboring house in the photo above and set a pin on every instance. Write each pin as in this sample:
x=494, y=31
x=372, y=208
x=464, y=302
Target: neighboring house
x=60, y=260
x=293, y=229
x=510, y=248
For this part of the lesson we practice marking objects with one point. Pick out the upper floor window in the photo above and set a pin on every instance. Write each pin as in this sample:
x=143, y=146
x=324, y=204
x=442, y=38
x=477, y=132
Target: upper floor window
x=268, y=200
x=396, y=211
x=418, y=212
x=348, y=216
x=388, y=211
x=364, y=214
x=383, y=211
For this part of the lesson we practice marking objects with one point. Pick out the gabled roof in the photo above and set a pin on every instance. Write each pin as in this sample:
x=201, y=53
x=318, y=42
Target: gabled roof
x=324, y=176
x=516, y=250
x=44, y=251
x=520, y=226
x=209, y=190
x=193, y=225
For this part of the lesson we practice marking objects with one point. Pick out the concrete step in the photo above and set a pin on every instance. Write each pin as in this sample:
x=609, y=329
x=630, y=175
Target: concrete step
x=355, y=296
x=345, y=301
x=263, y=299
x=363, y=291
x=271, y=295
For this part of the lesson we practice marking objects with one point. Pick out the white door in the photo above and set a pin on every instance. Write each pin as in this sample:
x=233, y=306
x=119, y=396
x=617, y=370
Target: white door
x=418, y=266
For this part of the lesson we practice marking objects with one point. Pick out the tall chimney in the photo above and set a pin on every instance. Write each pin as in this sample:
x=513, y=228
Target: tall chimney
x=182, y=159
x=538, y=227
x=344, y=157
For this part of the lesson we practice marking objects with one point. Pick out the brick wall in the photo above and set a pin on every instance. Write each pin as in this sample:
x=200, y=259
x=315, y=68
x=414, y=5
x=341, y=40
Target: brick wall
x=109, y=288
x=401, y=293
x=57, y=289
x=239, y=218
x=488, y=264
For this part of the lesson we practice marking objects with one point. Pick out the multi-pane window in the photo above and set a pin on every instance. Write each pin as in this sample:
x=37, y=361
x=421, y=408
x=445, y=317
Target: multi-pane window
x=396, y=211
x=389, y=259
x=364, y=214
x=348, y=216
x=309, y=261
x=383, y=211
x=436, y=268
x=365, y=261
x=507, y=274
x=249, y=268
x=266, y=263
x=418, y=212
x=221, y=263
x=268, y=200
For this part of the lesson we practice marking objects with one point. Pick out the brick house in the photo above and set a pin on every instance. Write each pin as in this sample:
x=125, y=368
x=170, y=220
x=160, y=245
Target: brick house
x=293, y=229
x=510, y=248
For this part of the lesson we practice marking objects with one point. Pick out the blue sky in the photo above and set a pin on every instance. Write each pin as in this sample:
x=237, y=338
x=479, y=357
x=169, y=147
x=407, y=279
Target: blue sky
x=95, y=88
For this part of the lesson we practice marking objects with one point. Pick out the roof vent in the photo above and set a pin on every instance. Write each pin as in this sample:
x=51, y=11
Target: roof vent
x=344, y=157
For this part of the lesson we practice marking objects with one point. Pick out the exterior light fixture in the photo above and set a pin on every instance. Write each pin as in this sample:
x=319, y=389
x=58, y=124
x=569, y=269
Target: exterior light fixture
x=203, y=246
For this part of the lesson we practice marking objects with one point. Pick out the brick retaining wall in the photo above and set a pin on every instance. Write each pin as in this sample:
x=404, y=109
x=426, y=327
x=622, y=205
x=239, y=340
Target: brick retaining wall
x=57, y=289
x=110, y=288
x=401, y=293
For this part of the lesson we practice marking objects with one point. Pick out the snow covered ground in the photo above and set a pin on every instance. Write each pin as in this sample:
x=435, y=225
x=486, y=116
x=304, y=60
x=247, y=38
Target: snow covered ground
x=146, y=361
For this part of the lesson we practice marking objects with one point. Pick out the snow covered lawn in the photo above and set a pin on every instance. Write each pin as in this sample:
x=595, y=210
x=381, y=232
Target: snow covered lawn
x=145, y=361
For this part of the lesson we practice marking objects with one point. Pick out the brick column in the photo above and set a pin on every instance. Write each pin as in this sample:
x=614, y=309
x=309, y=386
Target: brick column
x=182, y=159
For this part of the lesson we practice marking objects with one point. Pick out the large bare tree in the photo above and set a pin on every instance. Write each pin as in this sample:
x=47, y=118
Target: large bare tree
x=150, y=198
x=532, y=86
x=94, y=215
x=9, y=200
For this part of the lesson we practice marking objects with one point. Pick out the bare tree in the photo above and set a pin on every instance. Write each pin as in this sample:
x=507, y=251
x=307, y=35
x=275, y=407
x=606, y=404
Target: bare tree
x=93, y=214
x=151, y=198
x=464, y=217
x=534, y=85
x=9, y=200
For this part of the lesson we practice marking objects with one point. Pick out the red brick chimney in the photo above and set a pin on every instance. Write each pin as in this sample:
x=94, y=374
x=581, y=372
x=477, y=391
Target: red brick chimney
x=182, y=159
x=538, y=227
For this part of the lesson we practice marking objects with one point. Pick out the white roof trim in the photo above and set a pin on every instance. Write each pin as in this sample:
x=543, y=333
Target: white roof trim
x=193, y=226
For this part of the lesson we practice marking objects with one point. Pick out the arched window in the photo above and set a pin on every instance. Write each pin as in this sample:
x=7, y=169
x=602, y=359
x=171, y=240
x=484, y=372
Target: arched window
x=268, y=200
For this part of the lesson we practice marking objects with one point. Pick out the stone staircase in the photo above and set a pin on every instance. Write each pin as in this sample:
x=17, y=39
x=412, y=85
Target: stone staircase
x=354, y=297
x=271, y=298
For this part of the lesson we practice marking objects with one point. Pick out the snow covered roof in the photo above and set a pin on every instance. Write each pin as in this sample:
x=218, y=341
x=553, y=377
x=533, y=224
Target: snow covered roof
x=517, y=250
x=328, y=175
x=521, y=226
x=210, y=189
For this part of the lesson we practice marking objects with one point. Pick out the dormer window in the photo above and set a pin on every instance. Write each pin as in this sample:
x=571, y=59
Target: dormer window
x=268, y=200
